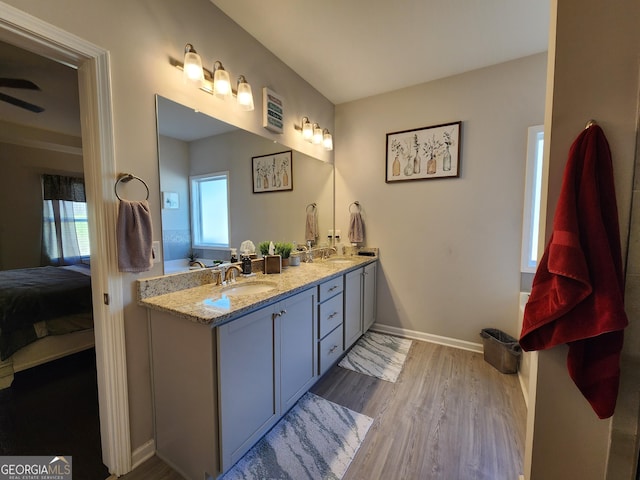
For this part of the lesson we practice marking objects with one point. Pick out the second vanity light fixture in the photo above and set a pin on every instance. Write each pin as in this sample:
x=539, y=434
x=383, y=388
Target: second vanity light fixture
x=218, y=83
x=314, y=134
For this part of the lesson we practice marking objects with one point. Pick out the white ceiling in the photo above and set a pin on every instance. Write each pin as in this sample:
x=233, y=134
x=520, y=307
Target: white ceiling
x=351, y=49
x=346, y=49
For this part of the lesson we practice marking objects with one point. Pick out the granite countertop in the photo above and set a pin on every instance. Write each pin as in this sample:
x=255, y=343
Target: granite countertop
x=194, y=296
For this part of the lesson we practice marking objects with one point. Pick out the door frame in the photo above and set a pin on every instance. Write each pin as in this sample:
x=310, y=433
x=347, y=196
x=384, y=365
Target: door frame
x=94, y=81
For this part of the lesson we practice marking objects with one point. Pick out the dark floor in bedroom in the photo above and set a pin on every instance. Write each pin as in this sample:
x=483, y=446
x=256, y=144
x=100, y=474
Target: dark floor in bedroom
x=52, y=410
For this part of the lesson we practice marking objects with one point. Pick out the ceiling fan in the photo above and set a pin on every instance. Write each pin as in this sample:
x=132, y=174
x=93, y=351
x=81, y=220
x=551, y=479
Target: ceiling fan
x=21, y=84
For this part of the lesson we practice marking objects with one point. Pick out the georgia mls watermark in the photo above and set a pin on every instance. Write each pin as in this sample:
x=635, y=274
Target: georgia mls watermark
x=36, y=468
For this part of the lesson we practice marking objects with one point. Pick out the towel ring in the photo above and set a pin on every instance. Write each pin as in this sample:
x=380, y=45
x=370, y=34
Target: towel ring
x=313, y=207
x=127, y=177
x=357, y=204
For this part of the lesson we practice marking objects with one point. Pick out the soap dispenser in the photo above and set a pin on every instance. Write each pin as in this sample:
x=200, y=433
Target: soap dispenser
x=246, y=263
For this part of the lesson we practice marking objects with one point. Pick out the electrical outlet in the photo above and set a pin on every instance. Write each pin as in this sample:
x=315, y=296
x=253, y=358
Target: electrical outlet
x=337, y=232
x=330, y=235
x=155, y=247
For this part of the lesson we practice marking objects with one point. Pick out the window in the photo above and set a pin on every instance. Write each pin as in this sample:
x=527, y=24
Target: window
x=65, y=229
x=210, y=210
x=532, y=195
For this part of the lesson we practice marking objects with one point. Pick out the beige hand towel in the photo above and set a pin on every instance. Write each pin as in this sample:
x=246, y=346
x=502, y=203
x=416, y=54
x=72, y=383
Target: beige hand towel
x=311, y=226
x=134, y=235
x=356, y=228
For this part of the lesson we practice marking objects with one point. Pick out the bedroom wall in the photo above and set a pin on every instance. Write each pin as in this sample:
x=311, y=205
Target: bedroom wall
x=141, y=36
x=450, y=248
x=21, y=199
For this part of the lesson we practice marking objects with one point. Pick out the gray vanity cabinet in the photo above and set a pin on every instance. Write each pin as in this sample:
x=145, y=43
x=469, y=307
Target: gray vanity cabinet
x=265, y=363
x=330, y=317
x=369, y=296
x=359, y=303
x=297, y=348
x=353, y=283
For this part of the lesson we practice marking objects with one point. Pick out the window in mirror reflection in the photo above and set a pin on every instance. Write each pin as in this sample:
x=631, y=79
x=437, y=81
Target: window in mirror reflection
x=210, y=210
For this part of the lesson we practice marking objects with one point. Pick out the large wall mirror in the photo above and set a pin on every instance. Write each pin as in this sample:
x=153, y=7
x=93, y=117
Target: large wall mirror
x=191, y=144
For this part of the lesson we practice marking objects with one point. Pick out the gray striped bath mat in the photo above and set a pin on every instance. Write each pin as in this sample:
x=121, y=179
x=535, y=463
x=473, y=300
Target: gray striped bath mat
x=316, y=440
x=377, y=355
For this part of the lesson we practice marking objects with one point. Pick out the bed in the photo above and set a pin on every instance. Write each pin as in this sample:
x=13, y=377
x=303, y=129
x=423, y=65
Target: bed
x=45, y=314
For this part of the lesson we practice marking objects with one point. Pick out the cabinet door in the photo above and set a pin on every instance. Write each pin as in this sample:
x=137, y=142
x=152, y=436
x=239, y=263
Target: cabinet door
x=352, y=307
x=369, y=296
x=296, y=323
x=248, y=404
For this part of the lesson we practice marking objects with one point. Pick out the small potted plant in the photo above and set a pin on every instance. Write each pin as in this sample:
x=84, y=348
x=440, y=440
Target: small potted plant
x=264, y=248
x=193, y=258
x=284, y=250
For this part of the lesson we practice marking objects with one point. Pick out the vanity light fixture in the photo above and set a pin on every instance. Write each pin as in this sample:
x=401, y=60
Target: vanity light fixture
x=327, y=140
x=192, y=69
x=244, y=95
x=218, y=82
x=312, y=132
x=317, y=134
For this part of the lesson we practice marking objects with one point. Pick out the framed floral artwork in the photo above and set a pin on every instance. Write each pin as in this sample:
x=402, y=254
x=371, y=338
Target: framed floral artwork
x=272, y=173
x=423, y=153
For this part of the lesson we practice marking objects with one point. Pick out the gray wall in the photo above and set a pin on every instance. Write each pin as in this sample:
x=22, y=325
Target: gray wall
x=450, y=248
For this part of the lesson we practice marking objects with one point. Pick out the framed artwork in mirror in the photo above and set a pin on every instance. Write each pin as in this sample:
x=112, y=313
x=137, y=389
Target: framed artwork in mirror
x=170, y=200
x=423, y=153
x=272, y=173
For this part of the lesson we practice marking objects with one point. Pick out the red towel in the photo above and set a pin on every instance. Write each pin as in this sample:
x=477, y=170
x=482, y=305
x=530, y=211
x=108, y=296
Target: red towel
x=577, y=295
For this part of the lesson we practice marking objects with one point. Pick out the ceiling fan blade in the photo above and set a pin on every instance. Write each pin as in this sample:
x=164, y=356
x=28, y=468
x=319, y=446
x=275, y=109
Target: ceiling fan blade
x=18, y=83
x=21, y=103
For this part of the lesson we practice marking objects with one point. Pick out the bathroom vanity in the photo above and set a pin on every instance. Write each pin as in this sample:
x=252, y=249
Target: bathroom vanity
x=229, y=361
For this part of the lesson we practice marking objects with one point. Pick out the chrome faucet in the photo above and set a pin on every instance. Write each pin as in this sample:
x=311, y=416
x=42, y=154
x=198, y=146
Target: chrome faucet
x=229, y=272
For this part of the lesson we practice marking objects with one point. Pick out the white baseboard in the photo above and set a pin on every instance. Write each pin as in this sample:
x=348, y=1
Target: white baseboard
x=427, y=337
x=143, y=453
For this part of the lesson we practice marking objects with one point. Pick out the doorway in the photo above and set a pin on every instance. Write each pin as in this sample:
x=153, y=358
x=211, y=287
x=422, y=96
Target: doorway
x=92, y=63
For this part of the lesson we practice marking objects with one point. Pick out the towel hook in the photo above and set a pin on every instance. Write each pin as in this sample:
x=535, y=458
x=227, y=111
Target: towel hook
x=127, y=177
x=313, y=207
x=590, y=123
x=357, y=204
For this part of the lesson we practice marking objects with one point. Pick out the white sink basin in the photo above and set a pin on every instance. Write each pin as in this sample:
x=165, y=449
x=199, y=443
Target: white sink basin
x=339, y=260
x=251, y=288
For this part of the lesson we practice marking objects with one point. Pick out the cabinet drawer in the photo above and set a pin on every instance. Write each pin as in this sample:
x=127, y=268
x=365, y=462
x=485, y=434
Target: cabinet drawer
x=329, y=315
x=330, y=350
x=330, y=288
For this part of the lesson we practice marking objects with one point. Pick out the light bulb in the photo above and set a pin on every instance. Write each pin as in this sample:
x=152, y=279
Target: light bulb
x=317, y=134
x=307, y=129
x=221, y=81
x=192, y=69
x=327, y=140
x=245, y=96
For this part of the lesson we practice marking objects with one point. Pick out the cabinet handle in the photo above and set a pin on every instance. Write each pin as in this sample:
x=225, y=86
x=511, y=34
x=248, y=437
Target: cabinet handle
x=333, y=349
x=279, y=314
x=332, y=315
x=333, y=288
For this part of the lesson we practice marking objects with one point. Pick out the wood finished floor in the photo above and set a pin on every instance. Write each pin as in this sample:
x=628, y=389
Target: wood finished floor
x=450, y=416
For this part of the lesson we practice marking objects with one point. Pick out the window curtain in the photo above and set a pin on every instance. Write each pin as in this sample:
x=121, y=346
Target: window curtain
x=59, y=236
